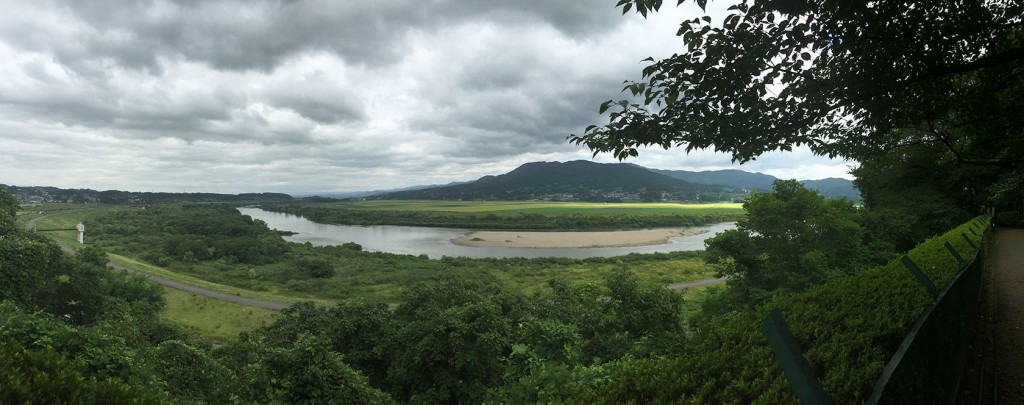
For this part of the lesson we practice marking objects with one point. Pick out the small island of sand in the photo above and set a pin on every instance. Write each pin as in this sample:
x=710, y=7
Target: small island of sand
x=534, y=239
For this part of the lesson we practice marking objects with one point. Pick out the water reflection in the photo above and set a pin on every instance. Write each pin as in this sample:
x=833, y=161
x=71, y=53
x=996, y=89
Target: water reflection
x=436, y=242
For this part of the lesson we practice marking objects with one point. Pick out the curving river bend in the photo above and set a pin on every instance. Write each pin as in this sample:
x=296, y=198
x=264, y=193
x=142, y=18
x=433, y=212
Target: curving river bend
x=436, y=242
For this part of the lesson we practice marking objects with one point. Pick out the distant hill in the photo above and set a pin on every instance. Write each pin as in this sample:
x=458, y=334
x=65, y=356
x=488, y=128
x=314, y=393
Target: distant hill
x=358, y=194
x=743, y=180
x=834, y=188
x=46, y=194
x=589, y=181
x=731, y=178
x=569, y=181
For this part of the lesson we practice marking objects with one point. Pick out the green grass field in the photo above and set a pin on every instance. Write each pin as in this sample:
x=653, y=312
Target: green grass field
x=544, y=207
x=212, y=318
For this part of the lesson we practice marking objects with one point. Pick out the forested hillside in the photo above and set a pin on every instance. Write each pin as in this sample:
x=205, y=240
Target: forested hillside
x=739, y=180
x=571, y=181
x=45, y=194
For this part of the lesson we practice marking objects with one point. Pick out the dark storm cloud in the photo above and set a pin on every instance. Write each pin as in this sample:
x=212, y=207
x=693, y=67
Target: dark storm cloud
x=260, y=35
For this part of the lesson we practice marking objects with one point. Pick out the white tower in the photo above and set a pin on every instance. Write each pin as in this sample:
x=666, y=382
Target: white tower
x=81, y=233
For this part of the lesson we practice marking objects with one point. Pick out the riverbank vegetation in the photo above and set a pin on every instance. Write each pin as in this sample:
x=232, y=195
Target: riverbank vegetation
x=533, y=215
x=217, y=244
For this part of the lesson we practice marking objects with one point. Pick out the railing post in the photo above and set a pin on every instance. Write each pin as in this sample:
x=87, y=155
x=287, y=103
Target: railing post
x=956, y=254
x=969, y=241
x=805, y=385
x=921, y=277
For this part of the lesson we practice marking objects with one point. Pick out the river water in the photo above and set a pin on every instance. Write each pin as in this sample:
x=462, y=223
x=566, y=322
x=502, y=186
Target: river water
x=436, y=242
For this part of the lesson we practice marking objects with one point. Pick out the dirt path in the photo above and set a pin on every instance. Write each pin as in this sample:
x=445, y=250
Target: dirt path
x=256, y=302
x=1008, y=260
x=275, y=305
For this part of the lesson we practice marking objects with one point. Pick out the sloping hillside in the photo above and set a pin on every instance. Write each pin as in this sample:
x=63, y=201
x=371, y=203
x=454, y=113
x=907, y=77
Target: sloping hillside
x=576, y=180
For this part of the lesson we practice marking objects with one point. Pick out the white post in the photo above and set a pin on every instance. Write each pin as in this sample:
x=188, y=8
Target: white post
x=81, y=233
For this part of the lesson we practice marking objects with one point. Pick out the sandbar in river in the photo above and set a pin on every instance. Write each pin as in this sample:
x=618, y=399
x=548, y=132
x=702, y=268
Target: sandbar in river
x=576, y=239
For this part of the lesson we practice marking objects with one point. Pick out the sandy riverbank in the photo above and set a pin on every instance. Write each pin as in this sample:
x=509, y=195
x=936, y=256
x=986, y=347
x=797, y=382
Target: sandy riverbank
x=528, y=239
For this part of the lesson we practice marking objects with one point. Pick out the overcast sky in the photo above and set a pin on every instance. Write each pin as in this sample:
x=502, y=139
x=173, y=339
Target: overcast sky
x=333, y=95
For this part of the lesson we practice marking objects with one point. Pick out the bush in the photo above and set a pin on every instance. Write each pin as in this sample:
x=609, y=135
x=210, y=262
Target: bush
x=1008, y=218
x=316, y=268
x=847, y=328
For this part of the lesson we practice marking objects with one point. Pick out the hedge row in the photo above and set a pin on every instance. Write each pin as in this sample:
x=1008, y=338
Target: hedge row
x=847, y=328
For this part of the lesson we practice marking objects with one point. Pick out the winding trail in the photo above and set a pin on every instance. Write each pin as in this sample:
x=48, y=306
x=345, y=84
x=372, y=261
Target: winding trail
x=993, y=372
x=256, y=302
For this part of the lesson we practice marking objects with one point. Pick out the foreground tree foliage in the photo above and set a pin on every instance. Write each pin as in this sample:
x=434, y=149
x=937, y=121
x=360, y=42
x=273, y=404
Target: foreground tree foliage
x=913, y=194
x=791, y=238
x=868, y=81
x=837, y=76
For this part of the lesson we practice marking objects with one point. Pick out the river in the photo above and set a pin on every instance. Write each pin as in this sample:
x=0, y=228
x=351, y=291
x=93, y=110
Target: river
x=436, y=242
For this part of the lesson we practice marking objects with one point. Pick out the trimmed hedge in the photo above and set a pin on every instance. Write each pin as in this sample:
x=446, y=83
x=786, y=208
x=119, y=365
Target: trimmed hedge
x=847, y=328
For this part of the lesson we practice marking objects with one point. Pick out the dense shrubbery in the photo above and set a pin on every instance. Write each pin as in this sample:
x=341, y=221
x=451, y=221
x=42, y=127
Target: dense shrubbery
x=848, y=329
x=190, y=233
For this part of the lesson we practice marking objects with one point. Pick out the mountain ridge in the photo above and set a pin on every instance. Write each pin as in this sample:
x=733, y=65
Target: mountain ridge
x=582, y=180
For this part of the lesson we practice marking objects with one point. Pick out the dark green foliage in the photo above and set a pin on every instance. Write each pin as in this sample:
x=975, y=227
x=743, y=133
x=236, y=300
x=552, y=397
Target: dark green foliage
x=848, y=328
x=307, y=371
x=190, y=233
x=836, y=76
x=191, y=372
x=96, y=353
x=580, y=323
x=790, y=239
x=8, y=210
x=35, y=274
x=449, y=340
x=42, y=376
x=316, y=268
x=359, y=331
x=913, y=195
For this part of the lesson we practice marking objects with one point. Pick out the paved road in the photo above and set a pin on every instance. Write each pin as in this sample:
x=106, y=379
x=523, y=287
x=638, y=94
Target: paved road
x=1008, y=258
x=698, y=283
x=256, y=302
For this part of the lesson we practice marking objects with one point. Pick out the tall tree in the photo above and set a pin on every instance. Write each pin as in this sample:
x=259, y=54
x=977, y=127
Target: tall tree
x=791, y=238
x=837, y=76
x=913, y=193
